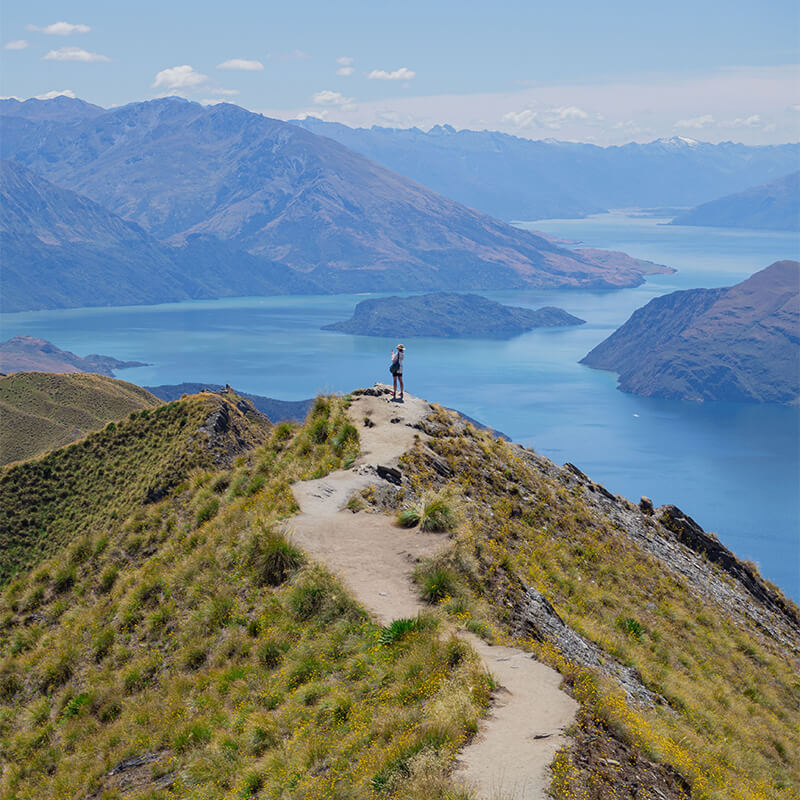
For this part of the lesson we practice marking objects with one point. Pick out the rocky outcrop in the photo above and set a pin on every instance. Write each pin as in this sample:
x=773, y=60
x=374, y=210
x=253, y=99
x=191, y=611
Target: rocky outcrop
x=709, y=546
x=534, y=617
x=740, y=344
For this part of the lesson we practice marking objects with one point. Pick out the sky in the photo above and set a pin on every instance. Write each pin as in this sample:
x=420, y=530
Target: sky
x=607, y=73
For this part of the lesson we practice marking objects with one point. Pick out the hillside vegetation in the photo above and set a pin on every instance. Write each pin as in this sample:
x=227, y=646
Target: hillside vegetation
x=87, y=486
x=42, y=411
x=188, y=651
x=679, y=666
x=184, y=648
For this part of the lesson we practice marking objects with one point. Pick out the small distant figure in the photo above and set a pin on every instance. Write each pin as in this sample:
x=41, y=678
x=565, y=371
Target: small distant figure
x=396, y=368
x=227, y=387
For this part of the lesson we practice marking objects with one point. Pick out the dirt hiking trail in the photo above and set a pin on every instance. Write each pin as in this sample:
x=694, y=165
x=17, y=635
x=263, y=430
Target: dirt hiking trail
x=517, y=740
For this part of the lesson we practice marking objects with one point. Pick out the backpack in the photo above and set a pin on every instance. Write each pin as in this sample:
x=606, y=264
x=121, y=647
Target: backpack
x=394, y=367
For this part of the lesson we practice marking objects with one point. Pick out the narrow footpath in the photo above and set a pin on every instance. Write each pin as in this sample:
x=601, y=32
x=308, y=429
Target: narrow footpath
x=524, y=728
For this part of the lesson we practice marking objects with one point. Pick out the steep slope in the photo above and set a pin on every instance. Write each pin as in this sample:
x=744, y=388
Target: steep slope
x=190, y=651
x=275, y=190
x=683, y=659
x=31, y=354
x=738, y=344
x=42, y=411
x=513, y=178
x=773, y=206
x=448, y=315
x=62, y=250
x=77, y=490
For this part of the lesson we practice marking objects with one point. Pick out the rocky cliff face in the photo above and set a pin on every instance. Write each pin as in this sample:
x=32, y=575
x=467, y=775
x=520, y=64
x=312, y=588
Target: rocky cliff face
x=739, y=344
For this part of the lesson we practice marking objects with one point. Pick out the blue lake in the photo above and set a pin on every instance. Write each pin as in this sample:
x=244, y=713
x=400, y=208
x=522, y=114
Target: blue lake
x=734, y=468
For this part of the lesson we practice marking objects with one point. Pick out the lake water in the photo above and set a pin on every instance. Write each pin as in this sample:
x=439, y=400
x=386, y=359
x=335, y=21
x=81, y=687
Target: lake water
x=734, y=468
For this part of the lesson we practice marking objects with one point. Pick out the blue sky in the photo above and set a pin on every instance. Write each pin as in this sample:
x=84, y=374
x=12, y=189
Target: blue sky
x=586, y=71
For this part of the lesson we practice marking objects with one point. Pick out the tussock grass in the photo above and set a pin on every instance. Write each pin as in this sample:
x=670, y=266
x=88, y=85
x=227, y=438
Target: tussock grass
x=437, y=512
x=215, y=644
x=113, y=475
x=40, y=411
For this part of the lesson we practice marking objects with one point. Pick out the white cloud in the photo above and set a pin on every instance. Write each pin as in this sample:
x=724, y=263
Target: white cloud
x=753, y=121
x=312, y=114
x=345, y=71
x=181, y=78
x=225, y=92
x=241, y=63
x=17, y=44
x=345, y=61
x=51, y=95
x=552, y=118
x=60, y=28
x=74, y=54
x=11, y=97
x=402, y=74
x=329, y=98
x=646, y=106
x=697, y=123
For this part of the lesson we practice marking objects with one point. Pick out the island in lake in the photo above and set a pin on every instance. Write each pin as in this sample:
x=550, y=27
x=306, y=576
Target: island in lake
x=739, y=344
x=448, y=315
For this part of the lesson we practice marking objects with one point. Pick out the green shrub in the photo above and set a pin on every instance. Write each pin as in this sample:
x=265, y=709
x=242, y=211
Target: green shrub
x=630, y=627
x=107, y=578
x=397, y=630
x=318, y=431
x=408, y=518
x=207, y=511
x=346, y=437
x=438, y=515
x=271, y=559
x=101, y=646
x=191, y=736
x=437, y=584
x=269, y=654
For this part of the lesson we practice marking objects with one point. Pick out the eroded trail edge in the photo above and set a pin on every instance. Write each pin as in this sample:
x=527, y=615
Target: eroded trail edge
x=518, y=739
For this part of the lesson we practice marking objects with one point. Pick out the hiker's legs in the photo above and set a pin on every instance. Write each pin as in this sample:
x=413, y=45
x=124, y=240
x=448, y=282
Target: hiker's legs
x=401, y=385
x=394, y=392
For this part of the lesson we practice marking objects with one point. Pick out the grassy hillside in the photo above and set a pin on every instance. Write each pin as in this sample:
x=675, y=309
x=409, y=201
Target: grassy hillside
x=187, y=651
x=42, y=411
x=712, y=673
x=88, y=486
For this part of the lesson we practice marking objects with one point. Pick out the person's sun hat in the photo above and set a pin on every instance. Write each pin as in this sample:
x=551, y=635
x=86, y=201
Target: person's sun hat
x=401, y=347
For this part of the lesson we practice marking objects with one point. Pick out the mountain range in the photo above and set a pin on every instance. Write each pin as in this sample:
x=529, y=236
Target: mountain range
x=770, y=206
x=521, y=179
x=178, y=170
x=739, y=344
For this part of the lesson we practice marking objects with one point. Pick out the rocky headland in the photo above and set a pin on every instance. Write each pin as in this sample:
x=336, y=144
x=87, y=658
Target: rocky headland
x=32, y=354
x=738, y=344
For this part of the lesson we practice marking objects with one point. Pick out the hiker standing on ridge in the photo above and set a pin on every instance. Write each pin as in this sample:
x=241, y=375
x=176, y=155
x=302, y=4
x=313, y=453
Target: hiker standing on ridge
x=396, y=368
